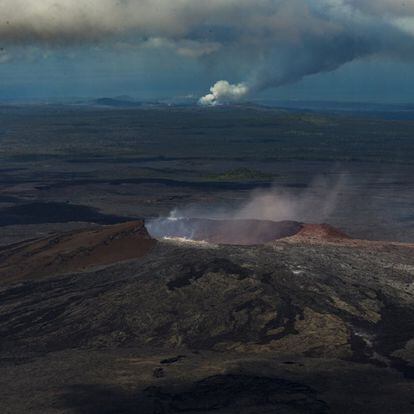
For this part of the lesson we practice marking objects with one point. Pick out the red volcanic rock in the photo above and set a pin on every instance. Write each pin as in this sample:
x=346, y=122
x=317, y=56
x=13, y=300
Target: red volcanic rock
x=74, y=251
x=321, y=232
x=324, y=234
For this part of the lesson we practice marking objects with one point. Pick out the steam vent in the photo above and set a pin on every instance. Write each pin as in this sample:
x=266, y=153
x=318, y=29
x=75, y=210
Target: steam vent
x=239, y=232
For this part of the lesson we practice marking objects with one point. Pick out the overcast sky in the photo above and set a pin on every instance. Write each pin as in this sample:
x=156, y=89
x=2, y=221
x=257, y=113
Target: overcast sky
x=276, y=49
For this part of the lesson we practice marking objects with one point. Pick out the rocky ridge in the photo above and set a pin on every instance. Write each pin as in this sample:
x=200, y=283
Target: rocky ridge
x=298, y=325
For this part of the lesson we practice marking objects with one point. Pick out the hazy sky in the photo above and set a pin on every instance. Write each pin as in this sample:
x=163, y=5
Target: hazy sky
x=280, y=49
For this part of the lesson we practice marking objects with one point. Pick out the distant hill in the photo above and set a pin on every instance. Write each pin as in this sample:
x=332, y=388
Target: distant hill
x=125, y=101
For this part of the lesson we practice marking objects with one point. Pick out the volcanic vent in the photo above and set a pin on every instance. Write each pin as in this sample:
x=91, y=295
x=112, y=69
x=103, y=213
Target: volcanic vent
x=238, y=232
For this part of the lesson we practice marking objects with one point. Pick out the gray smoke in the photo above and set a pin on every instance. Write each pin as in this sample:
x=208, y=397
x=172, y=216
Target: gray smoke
x=275, y=41
x=313, y=204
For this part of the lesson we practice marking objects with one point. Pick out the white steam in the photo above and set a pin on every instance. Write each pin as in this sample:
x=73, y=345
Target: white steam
x=314, y=204
x=224, y=92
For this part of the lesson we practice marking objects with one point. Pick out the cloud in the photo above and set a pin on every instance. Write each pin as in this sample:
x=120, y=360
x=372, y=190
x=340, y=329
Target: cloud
x=384, y=7
x=187, y=48
x=69, y=22
x=4, y=57
x=275, y=41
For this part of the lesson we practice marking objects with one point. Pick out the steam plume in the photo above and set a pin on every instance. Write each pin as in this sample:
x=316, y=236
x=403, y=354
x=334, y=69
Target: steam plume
x=223, y=91
x=315, y=204
x=270, y=42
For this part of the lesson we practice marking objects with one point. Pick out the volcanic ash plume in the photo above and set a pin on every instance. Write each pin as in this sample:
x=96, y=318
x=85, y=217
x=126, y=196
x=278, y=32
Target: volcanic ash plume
x=224, y=92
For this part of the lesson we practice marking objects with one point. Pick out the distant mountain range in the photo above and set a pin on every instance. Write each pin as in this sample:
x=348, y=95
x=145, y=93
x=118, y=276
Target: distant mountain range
x=366, y=109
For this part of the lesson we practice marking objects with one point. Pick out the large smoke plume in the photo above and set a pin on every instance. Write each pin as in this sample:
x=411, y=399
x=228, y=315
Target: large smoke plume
x=275, y=41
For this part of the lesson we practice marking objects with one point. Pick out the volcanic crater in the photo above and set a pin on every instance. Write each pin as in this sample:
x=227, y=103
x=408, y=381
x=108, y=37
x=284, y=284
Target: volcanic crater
x=243, y=232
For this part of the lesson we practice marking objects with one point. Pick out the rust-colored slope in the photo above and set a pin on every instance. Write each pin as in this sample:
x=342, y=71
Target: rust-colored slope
x=319, y=232
x=74, y=251
x=327, y=234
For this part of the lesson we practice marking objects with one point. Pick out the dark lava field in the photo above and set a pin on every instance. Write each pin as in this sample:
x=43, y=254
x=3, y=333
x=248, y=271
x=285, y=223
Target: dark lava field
x=179, y=260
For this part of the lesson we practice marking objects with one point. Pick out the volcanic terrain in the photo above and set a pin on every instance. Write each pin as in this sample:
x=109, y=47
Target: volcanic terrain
x=240, y=232
x=74, y=251
x=108, y=320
